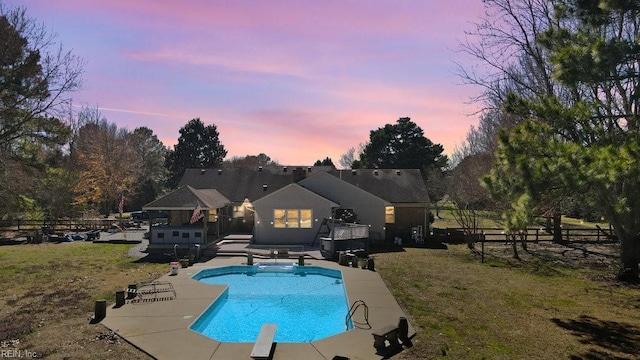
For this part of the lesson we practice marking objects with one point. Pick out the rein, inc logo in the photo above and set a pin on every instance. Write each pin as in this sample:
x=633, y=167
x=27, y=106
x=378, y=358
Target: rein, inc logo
x=17, y=354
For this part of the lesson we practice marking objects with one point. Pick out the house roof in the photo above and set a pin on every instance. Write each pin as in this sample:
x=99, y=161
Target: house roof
x=241, y=183
x=237, y=184
x=188, y=198
x=393, y=185
x=296, y=187
x=324, y=179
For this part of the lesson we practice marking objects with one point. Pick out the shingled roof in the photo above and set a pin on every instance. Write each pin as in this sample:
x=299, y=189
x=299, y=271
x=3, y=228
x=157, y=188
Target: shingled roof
x=242, y=183
x=395, y=186
x=237, y=184
x=187, y=198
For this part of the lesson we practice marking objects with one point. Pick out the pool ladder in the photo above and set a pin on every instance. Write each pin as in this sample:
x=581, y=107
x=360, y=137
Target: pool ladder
x=357, y=304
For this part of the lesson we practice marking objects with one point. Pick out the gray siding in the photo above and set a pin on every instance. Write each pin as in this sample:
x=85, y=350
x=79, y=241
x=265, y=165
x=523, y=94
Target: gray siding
x=368, y=207
x=289, y=197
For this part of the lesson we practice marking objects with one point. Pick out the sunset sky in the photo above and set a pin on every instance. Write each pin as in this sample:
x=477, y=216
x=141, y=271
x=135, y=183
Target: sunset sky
x=298, y=80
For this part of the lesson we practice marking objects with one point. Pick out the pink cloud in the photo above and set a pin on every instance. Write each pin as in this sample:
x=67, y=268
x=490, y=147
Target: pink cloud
x=297, y=80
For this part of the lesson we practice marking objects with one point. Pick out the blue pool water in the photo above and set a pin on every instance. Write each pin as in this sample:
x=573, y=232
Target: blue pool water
x=307, y=303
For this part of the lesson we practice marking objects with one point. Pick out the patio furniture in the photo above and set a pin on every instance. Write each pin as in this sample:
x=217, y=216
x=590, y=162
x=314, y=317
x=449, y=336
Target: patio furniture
x=153, y=291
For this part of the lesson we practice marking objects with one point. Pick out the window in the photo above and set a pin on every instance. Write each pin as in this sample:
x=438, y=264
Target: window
x=279, y=218
x=389, y=214
x=213, y=215
x=292, y=218
x=160, y=235
x=198, y=234
x=306, y=216
x=238, y=211
x=185, y=235
x=175, y=234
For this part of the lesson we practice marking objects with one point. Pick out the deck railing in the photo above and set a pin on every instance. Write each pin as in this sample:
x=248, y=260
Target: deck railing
x=350, y=231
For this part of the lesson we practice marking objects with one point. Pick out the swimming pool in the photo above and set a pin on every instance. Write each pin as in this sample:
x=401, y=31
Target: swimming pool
x=308, y=303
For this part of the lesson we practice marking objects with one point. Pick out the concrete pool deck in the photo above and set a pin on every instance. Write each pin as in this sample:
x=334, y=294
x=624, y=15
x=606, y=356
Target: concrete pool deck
x=161, y=328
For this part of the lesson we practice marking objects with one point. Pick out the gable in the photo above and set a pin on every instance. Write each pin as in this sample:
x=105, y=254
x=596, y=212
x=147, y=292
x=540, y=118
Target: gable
x=293, y=195
x=186, y=197
x=337, y=190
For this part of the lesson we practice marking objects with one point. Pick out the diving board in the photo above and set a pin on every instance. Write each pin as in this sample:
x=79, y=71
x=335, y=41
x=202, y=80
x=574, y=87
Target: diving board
x=264, y=343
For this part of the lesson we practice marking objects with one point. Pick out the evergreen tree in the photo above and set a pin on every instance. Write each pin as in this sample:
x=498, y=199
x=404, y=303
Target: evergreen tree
x=198, y=147
x=326, y=162
x=401, y=146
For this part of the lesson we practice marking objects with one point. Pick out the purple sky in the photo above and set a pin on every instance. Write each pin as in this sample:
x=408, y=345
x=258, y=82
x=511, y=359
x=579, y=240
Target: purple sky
x=298, y=80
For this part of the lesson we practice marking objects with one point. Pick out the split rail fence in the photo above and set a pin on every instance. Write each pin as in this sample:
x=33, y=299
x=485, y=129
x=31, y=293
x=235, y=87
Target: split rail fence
x=573, y=234
x=58, y=225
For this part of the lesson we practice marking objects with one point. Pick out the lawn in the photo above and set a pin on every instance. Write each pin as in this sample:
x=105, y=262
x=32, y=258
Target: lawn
x=460, y=307
x=48, y=296
x=507, y=309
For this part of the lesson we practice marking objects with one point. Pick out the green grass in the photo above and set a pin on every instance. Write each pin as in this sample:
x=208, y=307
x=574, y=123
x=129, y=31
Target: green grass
x=502, y=309
x=49, y=292
x=494, y=220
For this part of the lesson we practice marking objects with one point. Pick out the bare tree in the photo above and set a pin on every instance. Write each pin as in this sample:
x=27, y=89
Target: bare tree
x=468, y=195
x=347, y=159
x=351, y=156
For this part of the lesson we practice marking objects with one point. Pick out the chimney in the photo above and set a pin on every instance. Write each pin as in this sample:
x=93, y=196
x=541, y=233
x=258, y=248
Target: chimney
x=219, y=171
x=375, y=172
x=264, y=187
x=260, y=168
x=202, y=171
x=284, y=169
x=353, y=172
x=298, y=174
x=398, y=172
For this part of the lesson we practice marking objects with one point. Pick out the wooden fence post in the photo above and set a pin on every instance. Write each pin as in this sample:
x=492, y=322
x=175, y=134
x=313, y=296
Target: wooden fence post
x=482, y=243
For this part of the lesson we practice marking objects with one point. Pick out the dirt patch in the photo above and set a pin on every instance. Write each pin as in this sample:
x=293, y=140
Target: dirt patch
x=576, y=255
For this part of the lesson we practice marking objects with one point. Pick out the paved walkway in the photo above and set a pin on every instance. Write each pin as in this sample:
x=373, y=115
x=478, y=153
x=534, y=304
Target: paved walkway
x=161, y=328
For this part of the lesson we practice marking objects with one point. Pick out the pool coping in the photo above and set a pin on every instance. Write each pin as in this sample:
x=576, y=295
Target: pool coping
x=161, y=328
